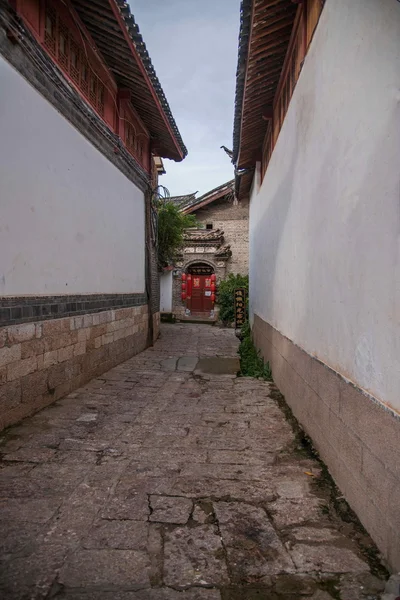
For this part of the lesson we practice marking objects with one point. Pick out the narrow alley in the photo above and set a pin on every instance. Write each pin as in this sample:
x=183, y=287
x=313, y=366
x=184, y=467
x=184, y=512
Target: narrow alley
x=170, y=477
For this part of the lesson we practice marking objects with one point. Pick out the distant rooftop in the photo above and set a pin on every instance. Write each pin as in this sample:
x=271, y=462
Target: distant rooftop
x=189, y=202
x=183, y=201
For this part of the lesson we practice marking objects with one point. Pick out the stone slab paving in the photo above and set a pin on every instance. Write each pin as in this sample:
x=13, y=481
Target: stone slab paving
x=170, y=478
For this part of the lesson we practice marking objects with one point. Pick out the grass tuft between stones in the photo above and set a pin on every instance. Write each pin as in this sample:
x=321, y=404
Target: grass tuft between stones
x=251, y=362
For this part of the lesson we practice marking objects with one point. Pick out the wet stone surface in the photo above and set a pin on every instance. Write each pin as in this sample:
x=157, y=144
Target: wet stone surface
x=170, y=478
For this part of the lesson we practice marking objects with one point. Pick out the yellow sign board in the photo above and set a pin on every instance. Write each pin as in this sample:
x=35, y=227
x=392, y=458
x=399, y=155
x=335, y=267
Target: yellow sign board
x=240, y=307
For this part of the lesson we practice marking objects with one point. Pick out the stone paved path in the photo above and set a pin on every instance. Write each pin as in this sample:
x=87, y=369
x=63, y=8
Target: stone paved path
x=157, y=482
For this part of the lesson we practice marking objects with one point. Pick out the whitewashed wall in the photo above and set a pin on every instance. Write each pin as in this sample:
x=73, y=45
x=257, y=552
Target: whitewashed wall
x=325, y=224
x=70, y=221
x=166, y=292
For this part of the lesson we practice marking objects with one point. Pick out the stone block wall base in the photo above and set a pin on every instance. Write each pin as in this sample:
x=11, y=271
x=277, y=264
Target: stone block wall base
x=43, y=361
x=357, y=436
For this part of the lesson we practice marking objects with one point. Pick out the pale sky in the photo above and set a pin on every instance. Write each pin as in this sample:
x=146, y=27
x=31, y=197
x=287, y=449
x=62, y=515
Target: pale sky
x=193, y=45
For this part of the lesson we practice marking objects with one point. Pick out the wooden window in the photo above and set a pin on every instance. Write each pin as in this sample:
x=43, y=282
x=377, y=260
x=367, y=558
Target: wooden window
x=290, y=71
x=100, y=97
x=130, y=138
x=50, y=30
x=59, y=40
x=74, y=62
x=63, y=44
x=306, y=20
x=134, y=136
x=84, y=76
x=93, y=89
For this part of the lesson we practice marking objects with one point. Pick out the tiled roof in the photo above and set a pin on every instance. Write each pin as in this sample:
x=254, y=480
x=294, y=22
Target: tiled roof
x=244, y=37
x=116, y=34
x=137, y=38
x=192, y=204
x=204, y=235
x=223, y=252
x=265, y=30
x=183, y=201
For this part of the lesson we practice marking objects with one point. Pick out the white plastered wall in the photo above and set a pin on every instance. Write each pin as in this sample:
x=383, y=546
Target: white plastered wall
x=166, y=292
x=70, y=221
x=325, y=223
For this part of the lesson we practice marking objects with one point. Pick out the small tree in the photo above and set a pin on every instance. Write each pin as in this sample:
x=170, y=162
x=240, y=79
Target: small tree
x=171, y=227
x=226, y=300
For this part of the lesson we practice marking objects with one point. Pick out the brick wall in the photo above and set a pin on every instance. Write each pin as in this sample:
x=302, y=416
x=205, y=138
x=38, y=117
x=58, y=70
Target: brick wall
x=233, y=219
x=43, y=361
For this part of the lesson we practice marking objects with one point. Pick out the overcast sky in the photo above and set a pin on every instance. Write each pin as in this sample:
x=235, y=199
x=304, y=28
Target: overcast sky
x=193, y=46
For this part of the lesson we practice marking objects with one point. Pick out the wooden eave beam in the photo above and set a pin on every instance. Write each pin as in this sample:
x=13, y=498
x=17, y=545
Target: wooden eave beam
x=131, y=45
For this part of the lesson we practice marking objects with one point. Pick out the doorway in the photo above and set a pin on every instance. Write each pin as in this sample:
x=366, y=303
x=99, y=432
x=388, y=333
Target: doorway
x=200, y=301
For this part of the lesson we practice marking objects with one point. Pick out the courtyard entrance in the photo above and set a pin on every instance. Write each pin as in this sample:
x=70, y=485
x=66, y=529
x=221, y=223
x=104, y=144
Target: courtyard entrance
x=201, y=298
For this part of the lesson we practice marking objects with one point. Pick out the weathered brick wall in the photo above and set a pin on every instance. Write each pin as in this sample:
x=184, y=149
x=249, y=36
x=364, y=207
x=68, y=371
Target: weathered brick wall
x=178, y=306
x=43, y=361
x=233, y=219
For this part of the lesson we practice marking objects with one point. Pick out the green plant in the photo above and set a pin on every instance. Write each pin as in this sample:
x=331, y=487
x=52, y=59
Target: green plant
x=226, y=298
x=171, y=227
x=251, y=362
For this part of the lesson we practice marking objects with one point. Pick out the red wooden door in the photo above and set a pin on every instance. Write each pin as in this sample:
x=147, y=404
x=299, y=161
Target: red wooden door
x=197, y=293
x=208, y=305
x=201, y=293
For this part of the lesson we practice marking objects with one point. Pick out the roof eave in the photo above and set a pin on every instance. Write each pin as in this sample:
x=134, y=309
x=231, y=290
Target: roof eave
x=181, y=150
x=263, y=22
x=246, y=18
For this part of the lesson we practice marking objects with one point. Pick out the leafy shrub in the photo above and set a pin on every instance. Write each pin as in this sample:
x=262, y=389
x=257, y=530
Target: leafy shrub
x=251, y=362
x=226, y=299
x=171, y=227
